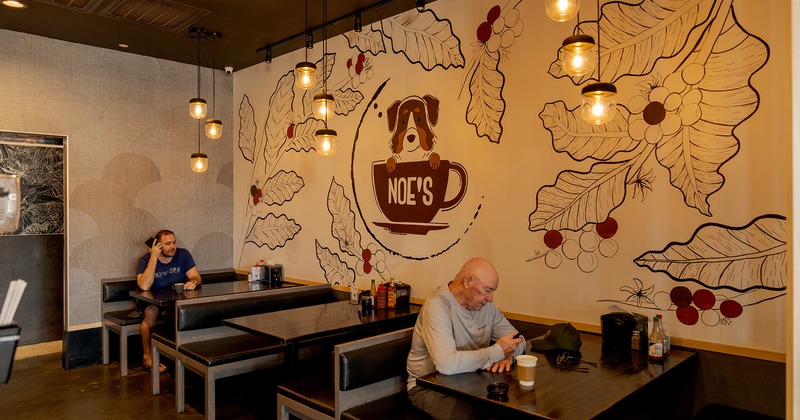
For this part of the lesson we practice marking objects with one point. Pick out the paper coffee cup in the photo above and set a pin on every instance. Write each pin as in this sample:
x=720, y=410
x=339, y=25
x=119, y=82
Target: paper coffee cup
x=526, y=369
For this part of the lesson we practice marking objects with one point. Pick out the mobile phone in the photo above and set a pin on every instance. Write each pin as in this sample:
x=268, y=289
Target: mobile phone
x=519, y=334
x=150, y=242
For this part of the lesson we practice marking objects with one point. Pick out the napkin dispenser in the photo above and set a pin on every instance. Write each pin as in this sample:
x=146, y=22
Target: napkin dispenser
x=403, y=294
x=617, y=329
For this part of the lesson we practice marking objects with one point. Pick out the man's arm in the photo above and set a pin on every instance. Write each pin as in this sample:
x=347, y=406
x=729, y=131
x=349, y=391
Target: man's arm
x=147, y=277
x=193, y=279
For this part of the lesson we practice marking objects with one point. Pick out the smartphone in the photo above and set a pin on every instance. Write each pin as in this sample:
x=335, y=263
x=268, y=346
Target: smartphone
x=519, y=334
x=150, y=242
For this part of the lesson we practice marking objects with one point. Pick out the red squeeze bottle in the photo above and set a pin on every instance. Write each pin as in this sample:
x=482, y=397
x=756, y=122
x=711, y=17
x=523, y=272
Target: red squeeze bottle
x=382, y=296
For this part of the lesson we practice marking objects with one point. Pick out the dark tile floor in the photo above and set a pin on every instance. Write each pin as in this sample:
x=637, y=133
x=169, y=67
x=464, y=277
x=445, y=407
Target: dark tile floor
x=39, y=388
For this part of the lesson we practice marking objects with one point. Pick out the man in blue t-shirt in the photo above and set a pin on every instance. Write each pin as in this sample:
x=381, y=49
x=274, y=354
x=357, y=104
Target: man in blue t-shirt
x=163, y=266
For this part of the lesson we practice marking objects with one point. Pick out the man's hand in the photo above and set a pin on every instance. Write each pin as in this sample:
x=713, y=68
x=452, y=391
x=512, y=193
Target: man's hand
x=509, y=344
x=503, y=365
x=190, y=285
x=155, y=250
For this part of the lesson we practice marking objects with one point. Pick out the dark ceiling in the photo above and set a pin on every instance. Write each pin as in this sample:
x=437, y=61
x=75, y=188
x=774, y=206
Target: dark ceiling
x=160, y=28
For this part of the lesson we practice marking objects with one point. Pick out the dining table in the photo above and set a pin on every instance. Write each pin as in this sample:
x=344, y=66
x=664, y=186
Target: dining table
x=166, y=296
x=595, y=382
x=305, y=324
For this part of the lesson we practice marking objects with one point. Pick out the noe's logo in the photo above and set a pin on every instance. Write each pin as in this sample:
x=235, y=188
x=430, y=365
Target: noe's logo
x=408, y=192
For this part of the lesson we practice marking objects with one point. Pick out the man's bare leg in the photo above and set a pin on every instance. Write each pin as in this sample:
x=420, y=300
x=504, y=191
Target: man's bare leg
x=148, y=324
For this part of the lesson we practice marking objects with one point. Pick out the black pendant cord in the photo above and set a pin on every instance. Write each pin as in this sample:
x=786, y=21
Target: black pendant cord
x=198, y=67
x=598, y=41
x=214, y=75
x=325, y=58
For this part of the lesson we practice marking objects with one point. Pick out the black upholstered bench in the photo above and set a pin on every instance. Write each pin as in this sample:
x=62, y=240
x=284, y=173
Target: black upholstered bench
x=202, y=344
x=369, y=382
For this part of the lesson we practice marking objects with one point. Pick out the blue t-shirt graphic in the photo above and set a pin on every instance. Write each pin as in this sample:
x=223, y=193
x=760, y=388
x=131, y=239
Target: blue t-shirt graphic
x=168, y=274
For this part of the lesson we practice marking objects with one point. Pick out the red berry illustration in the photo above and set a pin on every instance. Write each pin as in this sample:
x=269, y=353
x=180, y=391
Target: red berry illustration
x=349, y=63
x=731, y=308
x=608, y=228
x=704, y=299
x=367, y=267
x=687, y=315
x=553, y=239
x=681, y=296
x=361, y=58
x=493, y=14
x=253, y=190
x=255, y=200
x=484, y=32
x=257, y=197
x=366, y=254
x=290, y=131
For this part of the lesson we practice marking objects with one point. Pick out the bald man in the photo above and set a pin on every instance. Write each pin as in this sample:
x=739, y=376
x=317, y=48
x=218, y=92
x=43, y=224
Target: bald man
x=453, y=333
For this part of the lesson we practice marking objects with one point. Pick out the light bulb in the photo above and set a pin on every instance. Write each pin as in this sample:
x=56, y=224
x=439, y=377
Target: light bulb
x=305, y=75
x=561, y=10
x=324, y=106
x=213, y=129
x=199, y=162
x=577, y=55
x=198, y=108
x=325, y=141
x=599, y=103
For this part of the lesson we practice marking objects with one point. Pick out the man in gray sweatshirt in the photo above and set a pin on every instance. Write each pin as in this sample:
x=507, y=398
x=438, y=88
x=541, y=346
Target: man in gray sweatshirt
x=453, y=333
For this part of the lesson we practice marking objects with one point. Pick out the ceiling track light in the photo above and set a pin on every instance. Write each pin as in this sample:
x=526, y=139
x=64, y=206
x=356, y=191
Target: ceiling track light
x=268, y=57
x=599, y=104
x=420, y=5
x=357, y=25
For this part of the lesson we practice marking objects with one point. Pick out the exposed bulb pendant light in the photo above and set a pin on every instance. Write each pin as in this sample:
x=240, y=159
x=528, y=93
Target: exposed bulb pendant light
x=599, y=99
x=305, y=72
x=577, y=53
x=324, y=105
x=197, y=105
x=325, y=143
x=213, y=125
x=199, y=159
x=561, y=10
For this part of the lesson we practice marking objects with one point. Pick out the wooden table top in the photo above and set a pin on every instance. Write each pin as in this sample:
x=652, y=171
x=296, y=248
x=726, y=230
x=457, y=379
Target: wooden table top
x=166, y=296
x=308, y=322
x=565, y=394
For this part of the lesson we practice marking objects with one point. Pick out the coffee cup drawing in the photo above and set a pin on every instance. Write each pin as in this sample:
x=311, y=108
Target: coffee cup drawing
x=412, y=195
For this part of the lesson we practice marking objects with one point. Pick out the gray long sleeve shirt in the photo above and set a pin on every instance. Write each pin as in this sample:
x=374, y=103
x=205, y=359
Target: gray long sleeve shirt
x=451, y=339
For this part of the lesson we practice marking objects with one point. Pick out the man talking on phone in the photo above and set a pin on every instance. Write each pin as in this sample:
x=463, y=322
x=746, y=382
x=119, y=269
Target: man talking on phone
x=163, y=266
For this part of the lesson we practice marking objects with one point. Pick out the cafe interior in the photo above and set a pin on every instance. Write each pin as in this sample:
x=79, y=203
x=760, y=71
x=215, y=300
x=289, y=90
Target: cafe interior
x=615, y=161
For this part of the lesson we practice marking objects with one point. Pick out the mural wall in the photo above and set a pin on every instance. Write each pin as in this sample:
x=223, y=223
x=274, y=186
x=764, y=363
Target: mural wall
x=460, y=135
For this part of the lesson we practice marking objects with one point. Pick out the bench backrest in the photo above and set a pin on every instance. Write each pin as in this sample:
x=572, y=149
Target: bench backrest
x=370, y=368
x=197, y=319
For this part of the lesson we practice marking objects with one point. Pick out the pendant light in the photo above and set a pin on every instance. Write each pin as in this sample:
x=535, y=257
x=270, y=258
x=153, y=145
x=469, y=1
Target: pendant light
x=213, y=125
x=305, y=72
x=561, y=10
x=197, y=105
x=199, y=159
x=325, y=138
x=599, y=99
x=577, y=55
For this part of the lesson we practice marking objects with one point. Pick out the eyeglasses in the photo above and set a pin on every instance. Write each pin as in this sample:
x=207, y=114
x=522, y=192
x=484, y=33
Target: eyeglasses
x=565, y=361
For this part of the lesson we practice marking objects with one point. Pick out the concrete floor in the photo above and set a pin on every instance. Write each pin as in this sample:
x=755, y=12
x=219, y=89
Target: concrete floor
x=39, y=388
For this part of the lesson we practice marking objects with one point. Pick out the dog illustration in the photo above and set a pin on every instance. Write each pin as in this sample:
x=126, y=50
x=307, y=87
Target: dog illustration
x=410, y=122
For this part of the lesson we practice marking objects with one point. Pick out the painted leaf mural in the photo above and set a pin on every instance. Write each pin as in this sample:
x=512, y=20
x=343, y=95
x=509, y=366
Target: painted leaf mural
x=740, y=259
x=303, y=135
x=366, y=41
x=486, y=104
x=718, y=73
x=633, y=37
x=344, y=220
x=336, y=272
x=272, y=231
x=247, y=129
x=581, y=140
x=425, y=39
x=346, y=100
x=281, y=187
x=280, y=111
x=579, y=198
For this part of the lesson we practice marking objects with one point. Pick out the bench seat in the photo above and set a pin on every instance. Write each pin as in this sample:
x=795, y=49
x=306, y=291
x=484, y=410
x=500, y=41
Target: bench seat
x=315, y=392
x=394, y=407
x=231, y=349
